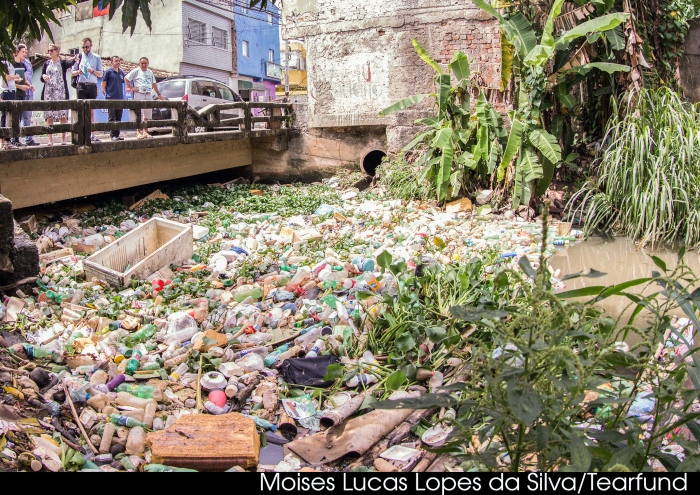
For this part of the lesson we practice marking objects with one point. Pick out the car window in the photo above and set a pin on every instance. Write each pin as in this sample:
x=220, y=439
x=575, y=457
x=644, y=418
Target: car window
x=172, y=89
x=226, y=93
x=194, y=88
x=207, y=88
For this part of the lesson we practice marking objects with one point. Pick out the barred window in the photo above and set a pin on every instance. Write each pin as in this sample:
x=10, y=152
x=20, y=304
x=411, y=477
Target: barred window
x=219, y=38
x=197, y=31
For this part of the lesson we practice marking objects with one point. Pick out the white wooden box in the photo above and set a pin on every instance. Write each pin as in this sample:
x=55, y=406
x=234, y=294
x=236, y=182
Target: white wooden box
x=152, y=245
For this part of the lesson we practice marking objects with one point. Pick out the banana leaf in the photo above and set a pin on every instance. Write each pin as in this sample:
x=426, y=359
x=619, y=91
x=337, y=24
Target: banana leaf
x=518, y=185
x=530, y=166
x=416, y=140
x=604, y=66
x=539, y=56
x=547, y=38
x=442, y=139
x=423, y=54
x=493, y=157
x=520, y=33
x=514, y=140
x=460, y=67
x=616, y=38
x=597, y=25
x=547, y=175
x=507, y=52
x=400, y=105
x=444, y=92
x=433, y=122
x=546, y=144
x=563, y=96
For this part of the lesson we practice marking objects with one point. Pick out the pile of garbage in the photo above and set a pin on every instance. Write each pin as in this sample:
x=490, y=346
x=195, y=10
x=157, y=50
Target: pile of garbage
x=201, y=337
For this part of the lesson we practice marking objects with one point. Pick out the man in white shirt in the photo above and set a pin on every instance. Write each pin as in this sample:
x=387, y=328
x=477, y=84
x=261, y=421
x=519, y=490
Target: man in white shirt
x=142, y=83
x=88, y=68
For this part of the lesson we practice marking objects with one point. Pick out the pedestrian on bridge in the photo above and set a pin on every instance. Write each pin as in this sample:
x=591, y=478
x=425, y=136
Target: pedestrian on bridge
x=24, y=91
x=7, y=86
x=88, y=68
x=143, y=84
x=113, y=88
x=55, y=88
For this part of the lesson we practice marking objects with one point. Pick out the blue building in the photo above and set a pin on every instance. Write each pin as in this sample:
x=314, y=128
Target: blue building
x=257, y=52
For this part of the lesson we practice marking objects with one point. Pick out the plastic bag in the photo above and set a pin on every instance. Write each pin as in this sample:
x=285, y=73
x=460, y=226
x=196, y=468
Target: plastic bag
x=308, y=371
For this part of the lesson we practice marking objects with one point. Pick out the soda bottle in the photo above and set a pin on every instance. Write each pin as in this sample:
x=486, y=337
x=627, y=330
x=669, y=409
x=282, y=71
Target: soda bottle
x=146, y=332
x=133, y=363
x=139, y=390
x=318, y=346
x=262, y=350
x=274, y=356
x=255, y=293
x=263, y=423
x=121, y=420
x=371, y=281
x=110, y=385
x=299, y=277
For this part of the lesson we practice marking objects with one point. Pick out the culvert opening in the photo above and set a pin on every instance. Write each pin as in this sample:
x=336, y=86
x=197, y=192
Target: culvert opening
x=371, y=161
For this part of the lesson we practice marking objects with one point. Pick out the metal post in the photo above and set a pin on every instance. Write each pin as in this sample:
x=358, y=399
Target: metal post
x=286, y=68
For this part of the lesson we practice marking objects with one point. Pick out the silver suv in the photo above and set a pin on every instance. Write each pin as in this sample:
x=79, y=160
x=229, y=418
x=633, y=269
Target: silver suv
x=198, y=92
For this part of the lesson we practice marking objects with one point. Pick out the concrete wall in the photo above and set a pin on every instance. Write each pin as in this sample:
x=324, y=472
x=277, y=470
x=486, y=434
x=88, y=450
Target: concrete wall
x=32, y=182
x=690, y=63
x=360, y=58
x=206, y=55
x=314, y=153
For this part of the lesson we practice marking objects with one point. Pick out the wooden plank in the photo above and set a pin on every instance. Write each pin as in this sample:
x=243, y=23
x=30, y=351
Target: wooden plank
x=207, y=442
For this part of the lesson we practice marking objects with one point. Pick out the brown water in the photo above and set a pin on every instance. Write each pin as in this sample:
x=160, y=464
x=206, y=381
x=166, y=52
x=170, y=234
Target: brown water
x=621, y=260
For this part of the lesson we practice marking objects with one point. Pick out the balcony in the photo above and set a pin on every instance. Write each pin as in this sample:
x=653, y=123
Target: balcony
x=273, y=71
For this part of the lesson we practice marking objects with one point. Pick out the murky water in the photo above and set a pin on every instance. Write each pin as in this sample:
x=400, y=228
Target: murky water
x=620, y=259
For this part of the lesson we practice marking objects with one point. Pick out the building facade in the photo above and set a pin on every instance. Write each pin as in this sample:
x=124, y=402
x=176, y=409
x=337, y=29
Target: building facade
x=297, y=68
x=257, y=52
x=188, y=37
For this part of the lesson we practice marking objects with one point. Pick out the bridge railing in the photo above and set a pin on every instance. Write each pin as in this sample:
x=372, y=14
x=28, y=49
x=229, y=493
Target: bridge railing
x=217, y=122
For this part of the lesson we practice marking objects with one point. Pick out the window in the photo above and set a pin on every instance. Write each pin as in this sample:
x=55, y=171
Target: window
x=74, y=51
x=271, y=56
x=244, y=48
x=172, y=89
x=226, y=93
x=207, y=88
x=244, y=10
x=219, y=38
x=269, y=18
x=197, y=31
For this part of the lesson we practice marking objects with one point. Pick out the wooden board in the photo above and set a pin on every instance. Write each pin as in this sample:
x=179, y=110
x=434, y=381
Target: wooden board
x=207, y=443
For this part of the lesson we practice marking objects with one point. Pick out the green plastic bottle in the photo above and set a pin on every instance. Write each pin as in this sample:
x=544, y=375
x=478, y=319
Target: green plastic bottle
x=120, y=420
x=146, y=332
x=161, y=468
x=134, y=361
x=273, y=357
x=254, y=293
x=138, y=390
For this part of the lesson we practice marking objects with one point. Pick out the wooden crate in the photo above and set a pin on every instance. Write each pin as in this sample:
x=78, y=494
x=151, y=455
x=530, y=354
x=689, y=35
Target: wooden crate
x=156, y=243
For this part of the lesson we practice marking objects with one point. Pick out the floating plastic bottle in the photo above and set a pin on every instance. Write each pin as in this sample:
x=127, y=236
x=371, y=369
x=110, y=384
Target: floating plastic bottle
x=146, y=332
x=263, y=423
x=110, y=385
x=121, y=420
x=298, y=279
x=141, y=391
x=107, y=436
x=133, y=364
x=177, y=373
x=135, y=441
x=317, y=348
x=255, y=293
x=272, y=358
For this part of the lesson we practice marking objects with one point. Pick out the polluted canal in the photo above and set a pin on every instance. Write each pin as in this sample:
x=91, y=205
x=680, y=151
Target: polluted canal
x=237, y=327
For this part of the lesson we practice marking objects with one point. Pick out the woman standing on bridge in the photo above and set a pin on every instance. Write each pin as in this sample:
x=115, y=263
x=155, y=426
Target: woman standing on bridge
x=55, y=88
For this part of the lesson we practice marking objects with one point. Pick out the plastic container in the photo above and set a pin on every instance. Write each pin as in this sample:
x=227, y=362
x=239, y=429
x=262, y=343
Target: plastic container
x=145, y=333
x=135, y=441
x=298, y=279
x=255, y=293
x=107, y=436
x=121, y=420
x=318, y=347
x=181, y=327
x=252, y=362
x=274, y=356
x=141, y=391
x=177, y=373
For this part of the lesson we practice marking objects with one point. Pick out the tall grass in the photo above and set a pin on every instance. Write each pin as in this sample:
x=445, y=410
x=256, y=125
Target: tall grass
x=402, y=180
x=648, y=185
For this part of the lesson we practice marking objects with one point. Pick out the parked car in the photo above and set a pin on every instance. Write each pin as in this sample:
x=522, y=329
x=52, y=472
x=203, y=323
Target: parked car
x=198, y=92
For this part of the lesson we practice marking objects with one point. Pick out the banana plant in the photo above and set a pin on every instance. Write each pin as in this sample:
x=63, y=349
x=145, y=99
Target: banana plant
x=459, y=144
x=533, y=149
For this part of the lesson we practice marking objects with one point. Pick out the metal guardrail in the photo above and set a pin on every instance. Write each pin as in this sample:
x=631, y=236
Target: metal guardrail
x=184, y=120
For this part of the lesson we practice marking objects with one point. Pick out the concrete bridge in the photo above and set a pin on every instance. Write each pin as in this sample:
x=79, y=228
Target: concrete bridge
x=36, y=175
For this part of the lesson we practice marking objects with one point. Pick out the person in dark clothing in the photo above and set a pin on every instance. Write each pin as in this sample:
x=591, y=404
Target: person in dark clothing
x=7, y=86
x=22, y=86
x=113, y=88
x=55, y=88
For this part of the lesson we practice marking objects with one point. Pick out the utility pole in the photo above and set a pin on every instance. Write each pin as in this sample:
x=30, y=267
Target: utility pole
x=286, y=68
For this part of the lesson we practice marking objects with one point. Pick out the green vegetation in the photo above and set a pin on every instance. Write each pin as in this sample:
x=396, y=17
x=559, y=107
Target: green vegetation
x=547, y=384
x=648, y=185
x=401, y=180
